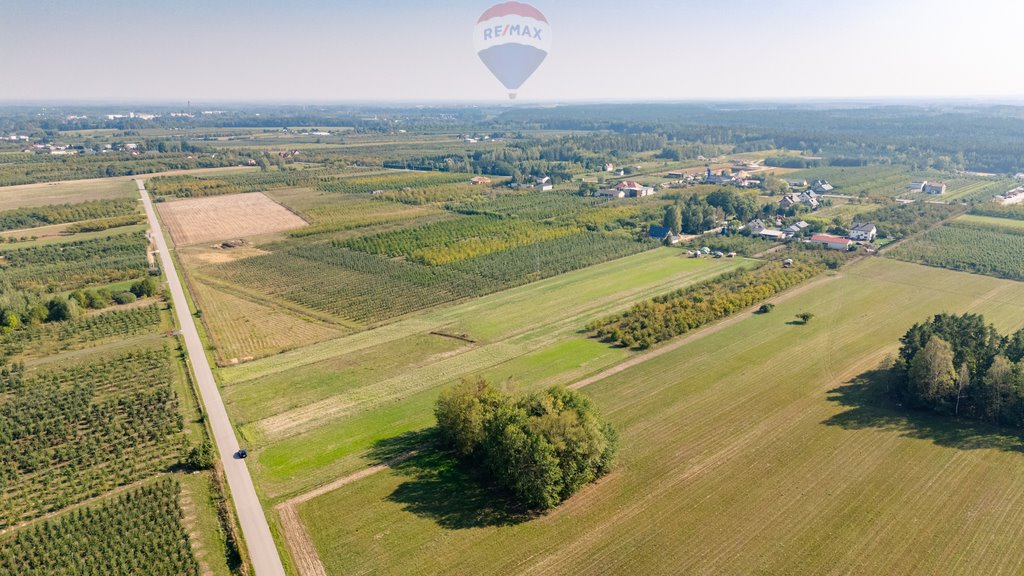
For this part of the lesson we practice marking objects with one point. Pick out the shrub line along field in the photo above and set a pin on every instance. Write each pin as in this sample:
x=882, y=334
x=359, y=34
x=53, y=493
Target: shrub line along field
x=708, y=444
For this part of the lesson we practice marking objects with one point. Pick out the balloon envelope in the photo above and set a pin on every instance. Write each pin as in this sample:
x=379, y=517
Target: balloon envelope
x=512, y=40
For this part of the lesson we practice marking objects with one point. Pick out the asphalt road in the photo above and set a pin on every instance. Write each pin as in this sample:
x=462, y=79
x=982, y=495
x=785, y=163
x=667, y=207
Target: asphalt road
x=255, y=530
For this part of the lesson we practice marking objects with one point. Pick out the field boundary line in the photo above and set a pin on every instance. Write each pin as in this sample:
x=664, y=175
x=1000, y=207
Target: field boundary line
x=699, y=334
x=300, y=544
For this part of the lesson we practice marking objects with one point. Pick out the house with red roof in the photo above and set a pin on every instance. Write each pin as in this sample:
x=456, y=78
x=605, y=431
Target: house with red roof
x=832, y=242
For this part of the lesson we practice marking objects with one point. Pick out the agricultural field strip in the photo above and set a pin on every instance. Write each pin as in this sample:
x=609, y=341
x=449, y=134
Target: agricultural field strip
x=441, y=318
x=297, y=537
x=702, y=332
x=89, y=189
x=260, y=298
x=737, y=443
x=992, y=221
x=241, y=328
x=638, y=359
x=230, y=217
x=766, y=433
x=472, y=359
x=969, y=247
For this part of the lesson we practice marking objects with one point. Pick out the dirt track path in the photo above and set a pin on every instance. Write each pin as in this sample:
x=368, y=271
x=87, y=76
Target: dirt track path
x=304, y=553
x=699, y=334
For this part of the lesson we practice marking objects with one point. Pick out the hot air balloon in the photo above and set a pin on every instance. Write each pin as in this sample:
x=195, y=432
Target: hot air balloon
x=512, y=39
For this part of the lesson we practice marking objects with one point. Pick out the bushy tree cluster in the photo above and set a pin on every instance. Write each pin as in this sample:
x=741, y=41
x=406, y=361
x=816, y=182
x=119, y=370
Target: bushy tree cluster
x=961, y=366
x=542, y=448
x=670, y=315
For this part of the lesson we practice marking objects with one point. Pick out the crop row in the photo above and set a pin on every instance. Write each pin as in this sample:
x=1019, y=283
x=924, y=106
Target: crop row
x=970, y=248
x=389, y=182
x=64, y=213
x=670, y=315
x=69, y=434
x=71, y=265
x=455, y=240
x=60, y=336
x=138, y=532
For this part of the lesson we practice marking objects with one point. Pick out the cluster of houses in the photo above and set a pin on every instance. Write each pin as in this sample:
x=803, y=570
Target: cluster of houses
x=931, y=188
x=1015, y=196
x=808, y=198
x=860, y=232
x=626, y=189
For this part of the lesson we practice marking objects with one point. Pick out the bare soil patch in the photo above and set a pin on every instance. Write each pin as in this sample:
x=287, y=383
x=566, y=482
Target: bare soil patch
x=226, y=217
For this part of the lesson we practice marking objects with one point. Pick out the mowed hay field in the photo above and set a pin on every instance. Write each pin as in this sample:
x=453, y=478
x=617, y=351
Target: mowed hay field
x=764, y=448
x=309, y=415
x=225, y=217
x=72, y=192
x=242, y=329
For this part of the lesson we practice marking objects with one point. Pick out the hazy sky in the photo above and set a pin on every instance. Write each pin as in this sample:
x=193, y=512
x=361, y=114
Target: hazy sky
x=415, y=50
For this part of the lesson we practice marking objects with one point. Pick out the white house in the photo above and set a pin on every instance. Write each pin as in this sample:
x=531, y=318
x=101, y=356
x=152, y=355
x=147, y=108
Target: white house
x=634, y=189
x=822, y=187
x=777, y=235
x=796, y=228
x=863, y=232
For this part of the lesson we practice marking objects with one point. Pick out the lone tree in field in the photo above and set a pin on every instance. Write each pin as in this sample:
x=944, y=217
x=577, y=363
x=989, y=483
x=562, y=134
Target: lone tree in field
x=542, y=448
x=805, y=317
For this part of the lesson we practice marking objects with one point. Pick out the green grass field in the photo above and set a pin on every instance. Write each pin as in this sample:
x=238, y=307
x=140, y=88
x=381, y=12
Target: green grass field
x=764, y=448
x=310, y=413
x=990, y=221
x=12, y=197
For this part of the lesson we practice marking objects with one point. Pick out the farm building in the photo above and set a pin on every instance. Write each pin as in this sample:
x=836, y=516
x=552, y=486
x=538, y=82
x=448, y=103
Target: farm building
x=832, y=242
x=916, y=186
x=769, y=234
x=480, y=180
x=864, y=232
x=610, y=193
x=934, y=188
x=634, y=189
x=1015, y=196
x=797, y=183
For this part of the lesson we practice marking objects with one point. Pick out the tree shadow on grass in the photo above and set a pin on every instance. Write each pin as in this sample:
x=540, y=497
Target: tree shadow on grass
x=441, y=487
x=870, y=404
